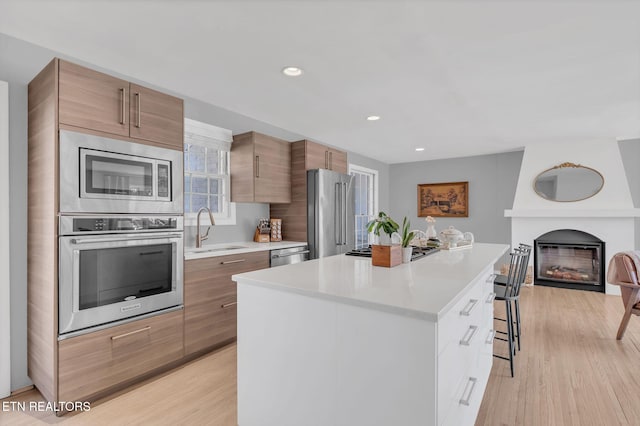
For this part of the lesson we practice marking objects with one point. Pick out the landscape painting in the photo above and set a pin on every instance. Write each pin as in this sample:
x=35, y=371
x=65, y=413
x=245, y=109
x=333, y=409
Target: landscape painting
x=449, y=199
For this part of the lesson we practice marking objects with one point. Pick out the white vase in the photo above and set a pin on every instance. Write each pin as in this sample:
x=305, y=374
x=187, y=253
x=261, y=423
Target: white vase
x=431, y=232
x=406, y=254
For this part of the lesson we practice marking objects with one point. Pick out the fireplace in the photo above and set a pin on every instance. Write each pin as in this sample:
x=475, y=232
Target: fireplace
x=568, y=258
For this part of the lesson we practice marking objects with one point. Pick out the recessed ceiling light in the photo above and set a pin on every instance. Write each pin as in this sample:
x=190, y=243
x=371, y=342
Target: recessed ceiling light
x=373, y=117
x=292, y=71
x=419, y=149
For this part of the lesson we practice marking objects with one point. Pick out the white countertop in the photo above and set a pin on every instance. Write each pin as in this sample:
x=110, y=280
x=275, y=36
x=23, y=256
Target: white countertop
x=224, y=249
x=426, y=288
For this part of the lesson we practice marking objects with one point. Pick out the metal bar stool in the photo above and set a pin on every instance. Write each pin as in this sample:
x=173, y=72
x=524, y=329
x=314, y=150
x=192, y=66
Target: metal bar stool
x=509, y=293
x=501, y=280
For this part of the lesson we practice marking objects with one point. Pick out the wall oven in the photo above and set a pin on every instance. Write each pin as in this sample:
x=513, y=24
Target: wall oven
x=115, y=267
x=103, y=175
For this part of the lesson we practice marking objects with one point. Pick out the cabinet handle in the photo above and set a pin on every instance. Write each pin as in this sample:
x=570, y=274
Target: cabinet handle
x=471, y=331
x=138, y=119
x=490, y=337
x=257, y=166
x=491, y=298
x=469, y=307
x=130, y=333
x=326, y=159
x=463, y=400
x=226, y=305
x=228, y=262
x=491, y=278
x=123, y=112
x=330, y=160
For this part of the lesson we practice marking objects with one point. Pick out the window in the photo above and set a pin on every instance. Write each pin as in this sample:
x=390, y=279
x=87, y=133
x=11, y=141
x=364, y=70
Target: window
x=366, y=192
x=206, y=172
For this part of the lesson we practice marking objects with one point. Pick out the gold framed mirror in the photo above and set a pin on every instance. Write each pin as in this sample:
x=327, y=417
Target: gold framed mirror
x=568, y=182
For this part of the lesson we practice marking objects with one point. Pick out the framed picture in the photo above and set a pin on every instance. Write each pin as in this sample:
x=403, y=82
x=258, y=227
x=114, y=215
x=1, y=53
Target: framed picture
x=450, y=199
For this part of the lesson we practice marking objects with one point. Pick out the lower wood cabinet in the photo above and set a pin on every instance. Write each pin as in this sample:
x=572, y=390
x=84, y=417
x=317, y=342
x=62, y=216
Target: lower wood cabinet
x=94, y=362
x=210, y=297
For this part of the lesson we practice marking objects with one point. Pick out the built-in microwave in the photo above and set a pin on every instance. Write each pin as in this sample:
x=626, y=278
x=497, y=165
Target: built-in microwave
x=103, y=175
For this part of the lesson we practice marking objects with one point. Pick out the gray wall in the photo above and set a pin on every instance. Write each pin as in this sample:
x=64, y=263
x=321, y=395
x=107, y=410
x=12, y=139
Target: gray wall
x=19, y=63
x=492, y=186
x=630, y=151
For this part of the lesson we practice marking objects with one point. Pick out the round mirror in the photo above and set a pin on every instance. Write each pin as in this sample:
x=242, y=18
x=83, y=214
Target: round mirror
x=568, y=182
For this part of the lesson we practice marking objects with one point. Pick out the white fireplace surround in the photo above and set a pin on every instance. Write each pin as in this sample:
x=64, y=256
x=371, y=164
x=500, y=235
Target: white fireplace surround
x=609, y=215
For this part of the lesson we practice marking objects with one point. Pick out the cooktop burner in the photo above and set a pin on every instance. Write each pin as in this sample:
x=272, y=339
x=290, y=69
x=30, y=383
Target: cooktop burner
x=418, y=252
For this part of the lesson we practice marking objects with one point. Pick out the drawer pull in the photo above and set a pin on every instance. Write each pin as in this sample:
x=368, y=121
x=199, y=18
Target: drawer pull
x=469, y=307
x=466, y=340
x=491, y=278
x=123, y=113
x=138, y=119
x=491, y=297
x=490, y=337
x=130, y=333
x=228, y=262
x=226, y=305
x=463, y=400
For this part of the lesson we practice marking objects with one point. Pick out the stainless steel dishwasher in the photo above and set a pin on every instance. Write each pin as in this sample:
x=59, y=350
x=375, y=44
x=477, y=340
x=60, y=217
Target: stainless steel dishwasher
x=288, y=256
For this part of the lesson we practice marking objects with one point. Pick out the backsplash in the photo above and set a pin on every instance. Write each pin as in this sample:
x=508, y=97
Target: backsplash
x=247, y=216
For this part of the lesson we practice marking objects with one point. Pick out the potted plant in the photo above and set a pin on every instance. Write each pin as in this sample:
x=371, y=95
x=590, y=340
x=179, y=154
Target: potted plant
x=406, y=236
x=384, y=254
x=383, y=223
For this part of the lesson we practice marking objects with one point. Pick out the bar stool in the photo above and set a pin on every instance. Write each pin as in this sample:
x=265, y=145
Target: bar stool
x=501, y=280
x=509, y=293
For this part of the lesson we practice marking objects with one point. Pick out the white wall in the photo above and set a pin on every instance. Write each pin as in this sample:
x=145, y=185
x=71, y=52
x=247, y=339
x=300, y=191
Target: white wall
x=5, y=314
x=603, y=156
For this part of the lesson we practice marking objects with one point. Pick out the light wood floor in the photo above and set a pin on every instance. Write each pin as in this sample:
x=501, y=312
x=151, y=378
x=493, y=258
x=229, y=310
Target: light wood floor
x=571, y=371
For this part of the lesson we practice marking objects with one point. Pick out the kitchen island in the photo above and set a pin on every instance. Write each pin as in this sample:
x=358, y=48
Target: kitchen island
x=337, y=341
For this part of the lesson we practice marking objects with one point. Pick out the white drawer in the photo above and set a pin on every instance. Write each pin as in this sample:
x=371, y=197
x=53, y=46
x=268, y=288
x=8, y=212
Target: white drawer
x=468, y=311
x=467, y=400
x=485, y=352
x=459, y=359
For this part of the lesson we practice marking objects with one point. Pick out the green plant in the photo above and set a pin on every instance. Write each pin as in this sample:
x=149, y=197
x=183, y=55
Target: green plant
x=384, y=223
x=406, y=235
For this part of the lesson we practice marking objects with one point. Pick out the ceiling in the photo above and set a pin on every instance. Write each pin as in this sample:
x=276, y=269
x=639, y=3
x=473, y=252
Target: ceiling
x=457, y=78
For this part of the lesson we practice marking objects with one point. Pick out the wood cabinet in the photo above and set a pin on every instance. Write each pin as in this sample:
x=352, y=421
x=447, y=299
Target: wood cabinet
x=156, y=116
x=260, y=169
x=305, y=155
x=210, y=298
x=67, y=96
x=94, y=362
x=93, y=100
x=96, y=101
x=319, y=156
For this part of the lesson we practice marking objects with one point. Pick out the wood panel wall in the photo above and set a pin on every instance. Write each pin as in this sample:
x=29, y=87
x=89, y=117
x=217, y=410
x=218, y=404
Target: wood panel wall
x=42, y=265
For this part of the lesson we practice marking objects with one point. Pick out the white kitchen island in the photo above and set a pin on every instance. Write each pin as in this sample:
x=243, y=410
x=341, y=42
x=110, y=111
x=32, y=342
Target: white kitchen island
x=336, y=341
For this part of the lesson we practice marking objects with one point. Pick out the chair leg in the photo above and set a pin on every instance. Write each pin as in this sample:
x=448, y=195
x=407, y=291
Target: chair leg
x=518, y=321
x=623, y=324
x=510, y=336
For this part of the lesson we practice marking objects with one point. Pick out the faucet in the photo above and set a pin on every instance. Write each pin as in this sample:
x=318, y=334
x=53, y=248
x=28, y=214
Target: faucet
x=201, y=238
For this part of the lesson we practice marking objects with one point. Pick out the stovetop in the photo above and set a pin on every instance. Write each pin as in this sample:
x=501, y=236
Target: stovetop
x=418, y=252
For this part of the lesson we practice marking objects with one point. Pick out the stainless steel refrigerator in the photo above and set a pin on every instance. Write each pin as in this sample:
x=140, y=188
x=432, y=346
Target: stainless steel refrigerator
x=330, y=213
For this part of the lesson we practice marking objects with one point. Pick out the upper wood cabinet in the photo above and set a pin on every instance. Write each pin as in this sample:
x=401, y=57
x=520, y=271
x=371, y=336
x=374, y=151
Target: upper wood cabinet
x=260, y=169
x=210, y=298
x=96, y=101
x=93, y=100
x=323, y=157
x=305, y=155
x=156, y=116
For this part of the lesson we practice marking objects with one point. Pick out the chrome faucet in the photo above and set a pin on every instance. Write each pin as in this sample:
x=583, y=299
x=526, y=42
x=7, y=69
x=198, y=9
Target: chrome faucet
x=201, y=238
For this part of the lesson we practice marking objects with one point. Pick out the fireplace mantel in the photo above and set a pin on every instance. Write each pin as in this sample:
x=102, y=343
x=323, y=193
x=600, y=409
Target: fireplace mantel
x=609, y=213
